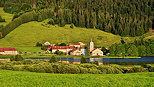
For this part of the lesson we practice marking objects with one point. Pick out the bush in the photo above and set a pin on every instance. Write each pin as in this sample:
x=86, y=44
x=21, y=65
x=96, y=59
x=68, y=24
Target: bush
x=94, y=71
x=41, y=68
x=66, y=68
x=150, y=67
x=1, y=19
x=38, y=44
x=16, y=58
x=88, y=65
x=53, y=59
x=51, y=21
x=58, y=52
x=83, y=60
x=72, y=26
x=137, y=69
x=83, y=70
x=20, y=68
x=28, y=62
x=6, y=66
x=109, y=69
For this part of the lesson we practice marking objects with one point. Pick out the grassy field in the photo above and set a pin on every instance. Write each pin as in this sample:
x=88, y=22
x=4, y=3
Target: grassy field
x=30, y=79
x=6, y=16
x=30, y=33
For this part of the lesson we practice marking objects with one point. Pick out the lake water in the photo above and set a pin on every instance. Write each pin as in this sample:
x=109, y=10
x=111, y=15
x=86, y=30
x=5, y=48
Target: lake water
x=108, y=60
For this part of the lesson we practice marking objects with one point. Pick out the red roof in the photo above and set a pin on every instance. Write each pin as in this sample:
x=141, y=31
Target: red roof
x=61, y=47
x=74, y=44
x=2, y=49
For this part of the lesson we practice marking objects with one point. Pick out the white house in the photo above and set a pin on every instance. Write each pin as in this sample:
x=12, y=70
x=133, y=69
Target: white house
x=8, y=51
x=47, y=43
x=93, y=51
x=97, y=52
x=64, y=49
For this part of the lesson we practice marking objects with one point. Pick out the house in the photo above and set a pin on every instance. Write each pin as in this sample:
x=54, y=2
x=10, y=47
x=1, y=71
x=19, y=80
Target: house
x=95, y=51
x=8, y=51
x=64, y=49
x=79, y=51
x=77, y=45
x=76, y=52
x=47, y=43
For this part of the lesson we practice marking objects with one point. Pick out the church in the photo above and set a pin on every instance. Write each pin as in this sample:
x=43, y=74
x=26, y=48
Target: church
x=95, y=51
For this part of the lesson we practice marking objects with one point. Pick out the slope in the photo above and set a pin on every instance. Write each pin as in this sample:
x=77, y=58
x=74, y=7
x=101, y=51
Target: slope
x=29, y=34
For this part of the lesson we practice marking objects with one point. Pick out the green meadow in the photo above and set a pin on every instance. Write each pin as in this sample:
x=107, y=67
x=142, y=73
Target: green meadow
x=29, y=34
x=31, y=79
x=6, y=16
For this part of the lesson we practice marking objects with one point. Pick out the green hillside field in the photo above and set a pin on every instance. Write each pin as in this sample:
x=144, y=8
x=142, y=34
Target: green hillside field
x=6, y=16
x=30, y=79
x=29, y=34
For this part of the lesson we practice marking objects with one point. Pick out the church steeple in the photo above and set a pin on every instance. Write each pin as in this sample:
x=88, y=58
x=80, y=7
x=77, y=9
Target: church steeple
x=91, y=45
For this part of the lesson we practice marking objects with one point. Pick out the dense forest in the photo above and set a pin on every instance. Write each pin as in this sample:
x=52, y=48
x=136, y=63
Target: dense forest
x=125, y=18
x=137, y=48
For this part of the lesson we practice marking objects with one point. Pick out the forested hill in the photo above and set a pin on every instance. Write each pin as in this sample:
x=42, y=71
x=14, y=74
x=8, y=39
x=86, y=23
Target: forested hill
x=120, y=17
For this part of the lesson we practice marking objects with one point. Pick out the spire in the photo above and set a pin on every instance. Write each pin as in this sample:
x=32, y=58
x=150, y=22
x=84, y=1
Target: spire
x=91, y=40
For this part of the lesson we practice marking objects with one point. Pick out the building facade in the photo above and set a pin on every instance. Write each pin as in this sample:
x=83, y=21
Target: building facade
x=8, y=51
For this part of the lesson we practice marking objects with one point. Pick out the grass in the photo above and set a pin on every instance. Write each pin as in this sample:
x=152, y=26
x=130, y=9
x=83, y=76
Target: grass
x=29, y=34
x=8, y=17
x=30, y=79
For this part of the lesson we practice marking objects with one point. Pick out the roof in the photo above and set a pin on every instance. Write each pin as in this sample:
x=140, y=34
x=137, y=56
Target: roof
x=74, y=44
x=2, y=49
x=61, y=47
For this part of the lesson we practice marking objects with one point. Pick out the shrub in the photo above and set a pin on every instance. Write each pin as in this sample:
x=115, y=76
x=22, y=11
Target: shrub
x=88, y=65
x=72, y=26
x=28, y=62
x=58, y=52
x=66, y=68
x=38, y=44
x=150, y=67
x=137, y=69
x=51, y=21
x=83, y=70
x=16, y=58
x=83, y=60
x=53, y=59
x=6, y=66
x=41, y=68
x=109, y=69
x=94, y=71
x=19, y=68
x=1, y=19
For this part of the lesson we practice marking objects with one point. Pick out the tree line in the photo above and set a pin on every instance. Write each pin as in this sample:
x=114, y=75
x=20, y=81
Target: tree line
x=137, y=48
x=125, y=18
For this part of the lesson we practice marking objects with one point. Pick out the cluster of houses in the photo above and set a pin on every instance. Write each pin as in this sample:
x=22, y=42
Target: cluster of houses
x=72, y=49
x=75, y=49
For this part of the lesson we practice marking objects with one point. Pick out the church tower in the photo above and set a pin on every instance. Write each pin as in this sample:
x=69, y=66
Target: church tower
x=91, y=45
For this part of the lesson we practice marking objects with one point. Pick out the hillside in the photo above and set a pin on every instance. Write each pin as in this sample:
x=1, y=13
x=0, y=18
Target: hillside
x=29, y=34
x=30, y=79
x=6, y=16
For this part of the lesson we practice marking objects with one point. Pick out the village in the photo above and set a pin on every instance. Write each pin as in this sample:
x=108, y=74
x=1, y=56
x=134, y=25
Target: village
x=75, y=49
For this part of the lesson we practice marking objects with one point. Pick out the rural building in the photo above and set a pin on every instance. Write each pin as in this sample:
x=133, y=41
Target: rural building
x=77, y=45
x=47, y=43
x=64, y=49
x=79, y=51
x=8, y=51
x=95, y=51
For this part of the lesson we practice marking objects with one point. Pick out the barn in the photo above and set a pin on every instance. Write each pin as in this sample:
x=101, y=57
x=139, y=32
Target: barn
x=8, y=51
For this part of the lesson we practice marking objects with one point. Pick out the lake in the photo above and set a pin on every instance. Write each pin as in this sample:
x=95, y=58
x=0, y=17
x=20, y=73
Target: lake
x=108, y=60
